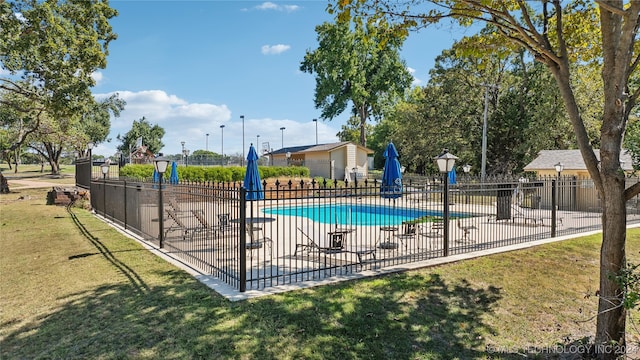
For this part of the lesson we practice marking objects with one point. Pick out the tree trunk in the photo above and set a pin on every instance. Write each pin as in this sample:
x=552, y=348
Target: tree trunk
x=363, y=115
x=610, y=328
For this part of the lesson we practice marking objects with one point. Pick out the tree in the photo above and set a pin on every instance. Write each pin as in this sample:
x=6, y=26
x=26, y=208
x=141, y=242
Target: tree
x=560, y=34
x=151, y=136
x=360, y=65
x=50, y=50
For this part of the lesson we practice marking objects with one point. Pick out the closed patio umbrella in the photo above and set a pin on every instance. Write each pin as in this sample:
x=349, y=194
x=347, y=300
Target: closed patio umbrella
x=391, y=187
x=173, y=179
x=452, y=176
x=252, y=181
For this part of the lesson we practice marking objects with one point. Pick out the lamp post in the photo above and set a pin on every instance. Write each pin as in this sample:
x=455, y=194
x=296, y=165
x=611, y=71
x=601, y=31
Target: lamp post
x=206, y=144
x=282, y=130
x=242, y=160
x=288, y=155
x=316, y=121
x=222, y=142
x=559, y=167
x=466, y=168
x=89, y=148
x=257, y=142
x=105, y=170
x=161, y=164
x=445, y=162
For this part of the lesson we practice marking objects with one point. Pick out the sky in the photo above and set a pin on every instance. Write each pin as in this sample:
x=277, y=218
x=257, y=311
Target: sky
x=192, y=66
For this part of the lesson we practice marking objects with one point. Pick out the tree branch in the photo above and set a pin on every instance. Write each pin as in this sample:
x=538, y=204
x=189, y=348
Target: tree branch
x=632, y=191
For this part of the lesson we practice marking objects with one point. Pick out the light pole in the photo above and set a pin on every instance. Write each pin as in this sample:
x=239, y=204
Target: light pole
x=161, y=167
x=288, y=155
x=466, y=168
x=559, y=167
x=206, y=144
x=483, y=165
x=282, y=130
x=89, y=148
x=446, y=162
x=105, y=170
x=257, y=142
x=182, y=143
x=242, y=160
x=222, y=142
x=316, y=121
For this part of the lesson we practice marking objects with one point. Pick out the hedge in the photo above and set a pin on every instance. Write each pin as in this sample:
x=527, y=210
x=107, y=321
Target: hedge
x=213, y=173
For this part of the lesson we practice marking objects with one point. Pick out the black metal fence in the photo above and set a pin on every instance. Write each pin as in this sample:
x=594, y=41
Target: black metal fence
x=303, y=231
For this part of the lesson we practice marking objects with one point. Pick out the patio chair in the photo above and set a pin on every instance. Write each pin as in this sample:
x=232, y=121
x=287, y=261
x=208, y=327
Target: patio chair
x=257, y=240
x=225, y=224
x=336, y=246
x=466, y=230
x=409, y=232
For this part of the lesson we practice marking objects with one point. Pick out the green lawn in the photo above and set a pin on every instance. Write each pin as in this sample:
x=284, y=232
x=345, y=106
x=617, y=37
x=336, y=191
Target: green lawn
x=73, y=287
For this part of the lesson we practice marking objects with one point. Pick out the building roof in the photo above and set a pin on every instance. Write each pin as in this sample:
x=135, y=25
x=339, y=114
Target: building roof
x=571, y=159
x=318, y=148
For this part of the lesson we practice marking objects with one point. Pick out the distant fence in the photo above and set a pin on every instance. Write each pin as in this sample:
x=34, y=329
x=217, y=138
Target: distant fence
x=305, y=230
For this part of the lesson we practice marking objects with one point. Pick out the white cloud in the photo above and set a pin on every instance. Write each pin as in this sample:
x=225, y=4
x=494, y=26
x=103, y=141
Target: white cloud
x=191, y=122
x=97, y=77
x=272, y=6
x=275, y=49
x=416, y=81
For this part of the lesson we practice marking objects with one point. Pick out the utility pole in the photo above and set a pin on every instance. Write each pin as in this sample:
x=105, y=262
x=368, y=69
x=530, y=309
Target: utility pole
x=483, y=165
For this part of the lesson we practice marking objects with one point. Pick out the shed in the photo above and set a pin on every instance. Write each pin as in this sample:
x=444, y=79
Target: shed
x=331, y=161
x=544, y=164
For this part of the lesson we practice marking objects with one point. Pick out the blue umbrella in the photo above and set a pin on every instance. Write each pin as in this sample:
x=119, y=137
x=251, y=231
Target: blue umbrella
x=452, y=176
x=156, y=177
x=391, y=187
x=252, y=181
x=174, y=173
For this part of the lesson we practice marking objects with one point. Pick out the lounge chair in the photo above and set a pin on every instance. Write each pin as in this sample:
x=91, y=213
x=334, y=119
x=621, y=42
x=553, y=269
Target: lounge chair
x=336, y=246
x=206, y=227
x=178, y=224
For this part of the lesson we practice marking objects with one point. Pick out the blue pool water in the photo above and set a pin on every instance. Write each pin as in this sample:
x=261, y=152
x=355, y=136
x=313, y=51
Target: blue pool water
x=356, y=214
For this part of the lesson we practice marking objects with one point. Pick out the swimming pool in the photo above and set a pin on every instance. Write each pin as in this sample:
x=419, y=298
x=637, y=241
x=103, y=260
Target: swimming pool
x=356, y=214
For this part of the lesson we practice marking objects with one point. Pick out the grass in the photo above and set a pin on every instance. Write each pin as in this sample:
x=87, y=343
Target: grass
x=73, y=287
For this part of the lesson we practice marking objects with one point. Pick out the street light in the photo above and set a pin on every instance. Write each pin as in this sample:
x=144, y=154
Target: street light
x=222, y=142
x=257, y=142
x=105, y=170
x=282, y=129
x=206, y=144
x=288, y=155
x=446, y=161
x=466, y=168
x=316, y=121
x=242, y=160
x=161, y=164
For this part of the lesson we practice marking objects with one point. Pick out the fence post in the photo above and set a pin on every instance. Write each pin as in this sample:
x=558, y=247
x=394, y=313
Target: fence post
x=243, y=239
x=553, y=207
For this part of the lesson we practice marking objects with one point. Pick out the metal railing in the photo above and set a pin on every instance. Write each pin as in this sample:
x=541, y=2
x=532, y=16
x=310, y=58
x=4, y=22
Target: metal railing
x=304, y=231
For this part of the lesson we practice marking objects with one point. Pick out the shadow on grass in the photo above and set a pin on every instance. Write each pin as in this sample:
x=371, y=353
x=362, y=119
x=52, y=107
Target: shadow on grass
x=400, y=316
x=405, y=318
